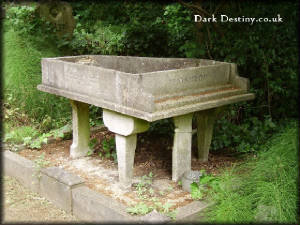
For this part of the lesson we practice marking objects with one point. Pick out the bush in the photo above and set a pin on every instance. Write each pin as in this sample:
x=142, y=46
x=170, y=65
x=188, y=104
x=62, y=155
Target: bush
x=105, y=40
x=266, y=53
x=25, y=21
x=245, y=136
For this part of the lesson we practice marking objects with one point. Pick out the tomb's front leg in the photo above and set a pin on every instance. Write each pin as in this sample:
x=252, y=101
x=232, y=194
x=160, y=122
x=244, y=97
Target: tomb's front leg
x=126, y=129
x=182, y=146
x=81, y=129
x=125, y=152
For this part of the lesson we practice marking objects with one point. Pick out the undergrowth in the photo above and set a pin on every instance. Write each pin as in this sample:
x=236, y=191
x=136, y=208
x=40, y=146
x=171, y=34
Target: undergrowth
x=22, y=74
x=263, y=189
x=17, y=134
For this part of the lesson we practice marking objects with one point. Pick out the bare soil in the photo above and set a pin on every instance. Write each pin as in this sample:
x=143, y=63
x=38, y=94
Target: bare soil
x=153, y=154
x=22, y=205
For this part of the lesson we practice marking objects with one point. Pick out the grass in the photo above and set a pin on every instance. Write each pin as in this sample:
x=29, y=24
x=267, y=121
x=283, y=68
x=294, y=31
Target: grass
x=16, y=135
x=22, y=74
x=265, y=189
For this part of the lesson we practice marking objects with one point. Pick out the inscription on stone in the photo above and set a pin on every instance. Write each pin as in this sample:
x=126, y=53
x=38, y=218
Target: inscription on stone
x=194, y=78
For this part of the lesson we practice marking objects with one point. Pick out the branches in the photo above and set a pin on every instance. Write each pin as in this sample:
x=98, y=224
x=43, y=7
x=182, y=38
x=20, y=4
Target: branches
x=198, y=9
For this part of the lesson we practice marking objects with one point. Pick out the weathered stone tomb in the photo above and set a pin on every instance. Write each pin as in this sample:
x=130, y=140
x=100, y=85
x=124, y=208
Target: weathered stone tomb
x=134, y=91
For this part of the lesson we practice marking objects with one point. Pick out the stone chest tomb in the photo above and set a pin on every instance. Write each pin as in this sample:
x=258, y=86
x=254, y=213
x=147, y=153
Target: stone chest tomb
x=134, y=91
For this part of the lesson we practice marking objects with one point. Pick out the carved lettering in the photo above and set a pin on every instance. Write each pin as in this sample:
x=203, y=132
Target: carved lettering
x=188, y=79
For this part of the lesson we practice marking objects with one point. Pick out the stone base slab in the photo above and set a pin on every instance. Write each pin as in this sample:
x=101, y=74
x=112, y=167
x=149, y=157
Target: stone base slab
x=68, y=192
x=22, y=169
x=92, y=206
x=57, y=185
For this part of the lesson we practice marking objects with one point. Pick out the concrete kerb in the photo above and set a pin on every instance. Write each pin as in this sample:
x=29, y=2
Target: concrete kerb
x=57, y=185
x=22, y=169
x=92, y=206
x=69, y=192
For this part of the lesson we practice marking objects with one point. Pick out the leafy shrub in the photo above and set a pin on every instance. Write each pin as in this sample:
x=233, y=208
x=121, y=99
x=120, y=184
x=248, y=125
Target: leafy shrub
x=244, y=137
x=182, y=41
x=100, y=39
x=36, y=143
x=108, y=149
x=266, y=53
x=22, y=18
x=200, y=189
x=163, y=127
x=25, y=20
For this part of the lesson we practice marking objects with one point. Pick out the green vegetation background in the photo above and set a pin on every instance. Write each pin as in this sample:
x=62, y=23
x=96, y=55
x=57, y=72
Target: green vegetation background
x=264, y=189
x=266, y=53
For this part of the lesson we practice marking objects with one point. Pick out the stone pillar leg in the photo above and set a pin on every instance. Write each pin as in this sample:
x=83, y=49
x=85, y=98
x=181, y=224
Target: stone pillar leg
x=126, y=128
x=182, y=146
x=81, y=129
x=205, y=123
x=125, y=151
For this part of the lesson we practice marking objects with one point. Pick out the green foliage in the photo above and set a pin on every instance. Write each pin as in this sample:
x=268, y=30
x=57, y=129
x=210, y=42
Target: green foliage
x=244, y=137
x=145, y=34
x=148, y=200
x=199, y=189
x=101, y=39
x=46, y=123
x=109, y=149
x=139, y=209
x=64, y=132
x=17, y=135
x=26, y=22
x=131, y=28
x=24, y=19
x=36, y=143
x=196, y=191
x=30, y=136
x=181, y=32
x=144, y=191
x=266, y=53
x=95, y=116
x=163, y=127
x=92, y=145
x=22, y=73
x=143, y=188
x=263, y=190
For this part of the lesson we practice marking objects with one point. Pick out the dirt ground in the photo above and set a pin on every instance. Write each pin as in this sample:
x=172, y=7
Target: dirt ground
x=22, y=205
x=153, y=155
